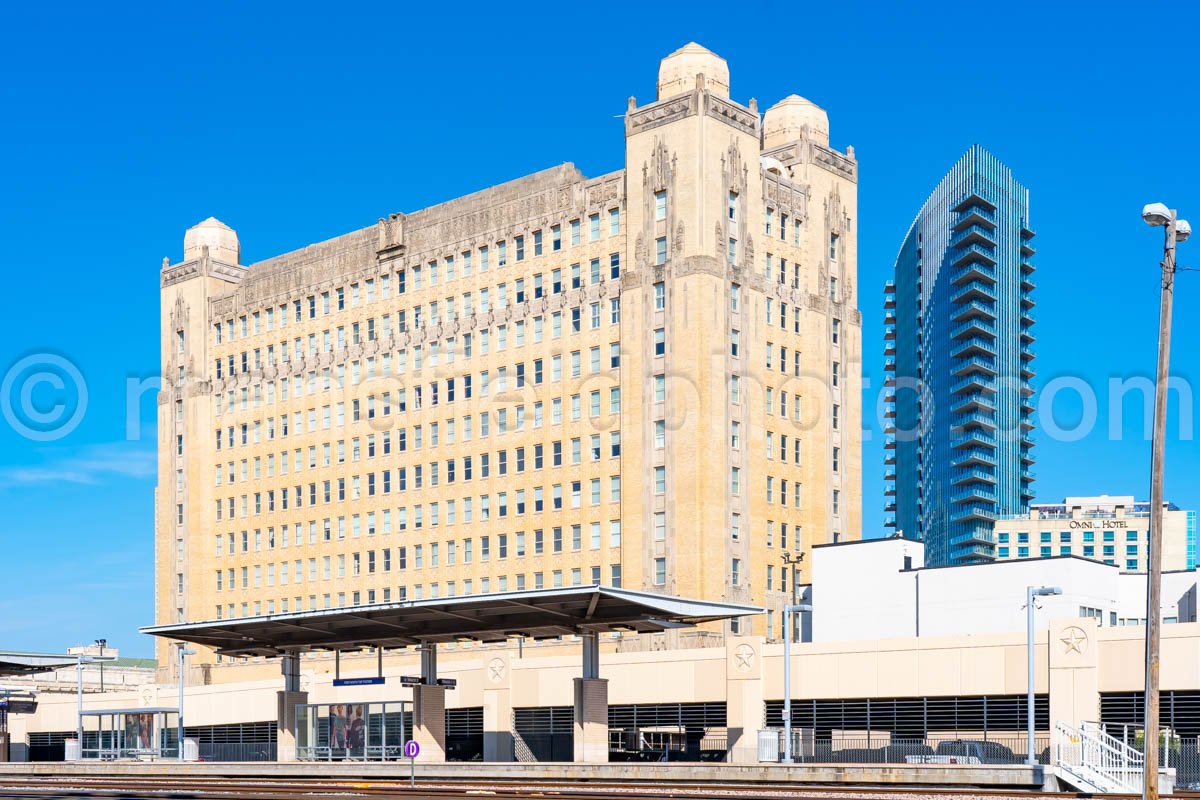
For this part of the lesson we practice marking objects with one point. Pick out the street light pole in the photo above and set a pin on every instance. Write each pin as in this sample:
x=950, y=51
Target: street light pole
x=183, y=651
x=1032, y=592
x=79, y=702
x=1176, y=230
x=788, y=610
x=793, y=561
x=102, y=643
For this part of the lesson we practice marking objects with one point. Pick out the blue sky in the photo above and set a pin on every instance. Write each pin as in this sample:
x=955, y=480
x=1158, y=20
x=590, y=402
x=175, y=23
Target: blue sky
x=122, y=127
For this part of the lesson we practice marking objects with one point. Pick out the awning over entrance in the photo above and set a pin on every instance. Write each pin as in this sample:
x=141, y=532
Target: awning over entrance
x=541, y=613
x=12, y=663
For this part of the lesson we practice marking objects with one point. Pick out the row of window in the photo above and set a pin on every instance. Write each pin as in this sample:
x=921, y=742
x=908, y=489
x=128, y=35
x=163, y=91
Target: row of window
x=226, y=473
x=265, y=502
x=331, y=339
x=445, y=269
x=1046, y=537
x=378, y=407
x=1088, y=551
x=371, y=562
x=558, y=578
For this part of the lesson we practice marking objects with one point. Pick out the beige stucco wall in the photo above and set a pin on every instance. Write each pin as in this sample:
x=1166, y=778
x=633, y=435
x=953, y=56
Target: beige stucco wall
x=1074, y=662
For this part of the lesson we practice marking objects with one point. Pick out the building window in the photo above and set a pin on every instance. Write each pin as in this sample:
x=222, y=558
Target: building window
x=660, y=296
x=660, y=571
x=660, y=341
x=660, y=205
x=660, y=250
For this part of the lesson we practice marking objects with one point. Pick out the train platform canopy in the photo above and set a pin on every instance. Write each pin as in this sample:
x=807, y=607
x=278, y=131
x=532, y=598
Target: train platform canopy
x=535, y=614
x=14, y=663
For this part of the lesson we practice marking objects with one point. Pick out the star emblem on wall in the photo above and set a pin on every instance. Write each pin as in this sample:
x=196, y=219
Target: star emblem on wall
x=1074, y=640
x=743, y=658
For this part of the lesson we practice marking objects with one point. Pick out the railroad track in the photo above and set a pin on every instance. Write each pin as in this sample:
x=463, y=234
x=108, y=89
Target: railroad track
x=212, y=788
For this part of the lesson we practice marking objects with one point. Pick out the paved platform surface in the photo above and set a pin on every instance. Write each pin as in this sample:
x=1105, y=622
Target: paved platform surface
x=948, y=775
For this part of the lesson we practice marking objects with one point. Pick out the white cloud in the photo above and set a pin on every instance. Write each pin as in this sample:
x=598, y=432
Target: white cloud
x=87, y=465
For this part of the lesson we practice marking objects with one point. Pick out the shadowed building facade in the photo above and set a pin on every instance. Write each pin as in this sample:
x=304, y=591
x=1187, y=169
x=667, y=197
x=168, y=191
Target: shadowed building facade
x=958, y=344
x=646, y=379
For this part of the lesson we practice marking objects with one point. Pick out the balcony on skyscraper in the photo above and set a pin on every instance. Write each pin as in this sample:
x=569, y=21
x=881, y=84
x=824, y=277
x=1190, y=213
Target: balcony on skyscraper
x=975, y=203
x=975, y=492
x=976, y=382
x=975, y=233
x=974, y=309
x=975, y=290
x=975, y=253
x=974, y=457
x=967, y=366
x=975, y=402
x=973, y=475
x=974, y=345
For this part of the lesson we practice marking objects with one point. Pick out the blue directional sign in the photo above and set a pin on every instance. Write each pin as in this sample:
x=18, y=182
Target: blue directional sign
x=411, y=749
x=373, y=681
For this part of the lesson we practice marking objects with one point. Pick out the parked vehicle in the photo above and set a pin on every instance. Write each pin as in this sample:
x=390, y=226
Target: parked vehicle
x=967, y=751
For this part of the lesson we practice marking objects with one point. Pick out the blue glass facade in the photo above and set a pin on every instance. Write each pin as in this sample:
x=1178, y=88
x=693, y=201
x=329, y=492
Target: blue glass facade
x=958, y=319
x=1191, y=540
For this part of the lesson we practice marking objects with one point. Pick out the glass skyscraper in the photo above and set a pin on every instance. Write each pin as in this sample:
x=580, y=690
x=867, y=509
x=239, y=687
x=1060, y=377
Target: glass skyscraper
x=958, y=343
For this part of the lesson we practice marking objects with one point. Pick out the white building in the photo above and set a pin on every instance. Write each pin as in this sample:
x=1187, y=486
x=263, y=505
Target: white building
x=1108, y=528
x=880, y=589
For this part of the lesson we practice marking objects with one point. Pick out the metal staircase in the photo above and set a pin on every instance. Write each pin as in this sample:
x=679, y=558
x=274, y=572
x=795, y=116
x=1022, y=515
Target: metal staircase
x=1094, y=761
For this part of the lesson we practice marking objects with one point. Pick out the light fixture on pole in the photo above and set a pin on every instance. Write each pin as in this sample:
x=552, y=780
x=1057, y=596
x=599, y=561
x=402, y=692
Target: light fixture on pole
x=80, y=660
x=792, y=561
x=1157, y=215
x=102, y=643
x=1032, y=592
x=788, y=610
x=184, y=650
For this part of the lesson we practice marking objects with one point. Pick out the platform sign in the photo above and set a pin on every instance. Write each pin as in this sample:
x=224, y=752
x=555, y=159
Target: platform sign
x=410, y=680
x=447, y=683
x=411, y=751
x=372, y=681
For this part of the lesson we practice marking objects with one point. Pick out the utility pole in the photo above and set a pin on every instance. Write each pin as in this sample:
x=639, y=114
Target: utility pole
x=1158, y=215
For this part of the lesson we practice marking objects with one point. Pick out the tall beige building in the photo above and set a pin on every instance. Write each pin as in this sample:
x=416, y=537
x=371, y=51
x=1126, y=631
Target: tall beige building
x=649, y=378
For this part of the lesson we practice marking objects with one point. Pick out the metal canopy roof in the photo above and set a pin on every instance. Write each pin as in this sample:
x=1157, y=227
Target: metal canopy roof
x=12, y=663
x=541, y=613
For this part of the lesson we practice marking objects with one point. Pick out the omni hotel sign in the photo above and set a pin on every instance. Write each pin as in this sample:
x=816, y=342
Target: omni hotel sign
x=1089, y=524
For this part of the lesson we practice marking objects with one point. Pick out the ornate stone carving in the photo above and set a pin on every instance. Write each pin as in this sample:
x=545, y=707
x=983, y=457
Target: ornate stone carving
x=732, y=114
x=660, y=113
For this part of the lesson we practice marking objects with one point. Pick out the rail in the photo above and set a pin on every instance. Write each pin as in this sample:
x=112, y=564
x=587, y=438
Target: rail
x=1096, y=760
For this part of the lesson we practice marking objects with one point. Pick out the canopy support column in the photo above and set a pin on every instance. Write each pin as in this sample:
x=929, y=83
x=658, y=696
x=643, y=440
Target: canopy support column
x=429, y=708
x=286, y=702
x=591, y=705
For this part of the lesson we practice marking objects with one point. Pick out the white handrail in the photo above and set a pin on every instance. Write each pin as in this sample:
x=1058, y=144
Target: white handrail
x=1091, y=755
